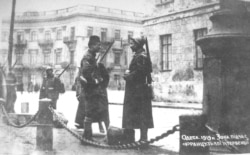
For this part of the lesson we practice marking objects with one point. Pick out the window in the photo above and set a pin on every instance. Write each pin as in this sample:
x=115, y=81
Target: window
x=90, y=31
x=33, y=57
x=117, y=34
x=72, y=33
x=72, y=57
x=19, y=58
x=59, y=35
x=46, y=57
x=166, y=52
x=47, y=35
x=103, y=34
x=58, y=56
x=20, y=36
x=117, y=58
x=198, y=53
x=5, y=36
x=33, y=36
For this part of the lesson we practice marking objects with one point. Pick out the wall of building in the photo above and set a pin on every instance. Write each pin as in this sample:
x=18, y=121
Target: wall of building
x=180, y=23
x=64, y=19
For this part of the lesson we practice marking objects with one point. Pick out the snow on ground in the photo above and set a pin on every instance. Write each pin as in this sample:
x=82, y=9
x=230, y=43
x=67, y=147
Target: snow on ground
x=164, y=119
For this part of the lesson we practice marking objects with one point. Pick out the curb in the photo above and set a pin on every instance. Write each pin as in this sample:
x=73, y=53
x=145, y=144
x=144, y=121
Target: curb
x=166, y=106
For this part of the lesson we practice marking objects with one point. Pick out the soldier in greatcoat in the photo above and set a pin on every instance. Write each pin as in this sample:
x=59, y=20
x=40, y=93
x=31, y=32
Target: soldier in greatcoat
x=137, y=108
x=80, y=95
x=51, y=87
x=93, y=82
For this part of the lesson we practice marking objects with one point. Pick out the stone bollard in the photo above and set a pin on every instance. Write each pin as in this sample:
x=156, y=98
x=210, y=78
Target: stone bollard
x=192, y=127
x=44, y=136
x=226, y=71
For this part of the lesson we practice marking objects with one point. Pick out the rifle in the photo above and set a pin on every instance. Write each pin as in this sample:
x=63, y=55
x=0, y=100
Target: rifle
x=103, y=56
x=63, y=70
x=149, y=78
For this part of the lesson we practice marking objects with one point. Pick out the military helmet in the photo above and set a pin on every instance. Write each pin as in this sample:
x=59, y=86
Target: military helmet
x=93, y=40
x=139, y=41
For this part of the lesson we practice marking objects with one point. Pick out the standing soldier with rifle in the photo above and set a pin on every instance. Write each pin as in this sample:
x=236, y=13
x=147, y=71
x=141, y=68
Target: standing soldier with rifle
x=94, y=80
x=137, y=107
x=51, y=87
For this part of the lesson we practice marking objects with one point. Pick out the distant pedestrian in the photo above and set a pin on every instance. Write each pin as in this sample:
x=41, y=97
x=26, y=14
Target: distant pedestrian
x=137, y=107
x=20, y=87
x=51, y=87
x=30, y=87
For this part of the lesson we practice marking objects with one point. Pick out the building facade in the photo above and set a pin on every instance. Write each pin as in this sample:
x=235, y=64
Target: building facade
x=172, y=33
x=60, y=37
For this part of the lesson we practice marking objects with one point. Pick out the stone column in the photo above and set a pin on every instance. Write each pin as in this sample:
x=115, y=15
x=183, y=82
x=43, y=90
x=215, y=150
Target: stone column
x=226, y=95
x=44, y=134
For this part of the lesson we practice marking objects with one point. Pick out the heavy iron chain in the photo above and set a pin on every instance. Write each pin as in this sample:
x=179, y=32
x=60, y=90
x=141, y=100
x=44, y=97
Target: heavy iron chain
x=116, y=147
x=232, y=148
x=13, y=124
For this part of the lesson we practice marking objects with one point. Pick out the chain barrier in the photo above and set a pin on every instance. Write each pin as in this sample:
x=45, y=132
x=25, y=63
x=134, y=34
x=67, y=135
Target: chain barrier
x=13, y=124
x=117, y=147
x=232, y=148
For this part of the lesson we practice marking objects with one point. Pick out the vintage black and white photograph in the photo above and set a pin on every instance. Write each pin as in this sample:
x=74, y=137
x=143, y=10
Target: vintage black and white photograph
x=122, y=77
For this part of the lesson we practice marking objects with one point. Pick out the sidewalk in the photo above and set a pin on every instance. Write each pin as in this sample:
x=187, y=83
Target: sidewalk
x=117, y=97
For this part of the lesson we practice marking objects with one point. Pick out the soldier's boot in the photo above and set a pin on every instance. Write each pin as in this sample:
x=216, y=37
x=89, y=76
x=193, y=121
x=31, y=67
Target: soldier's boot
x=144, y=134
x=144, y=137
x=129, y=136
x=87, y=128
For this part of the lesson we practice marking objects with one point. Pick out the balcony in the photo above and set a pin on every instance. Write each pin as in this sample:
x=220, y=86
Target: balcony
x=106, y=40
x=70, y=42
x=20, y=44
x=45, y=44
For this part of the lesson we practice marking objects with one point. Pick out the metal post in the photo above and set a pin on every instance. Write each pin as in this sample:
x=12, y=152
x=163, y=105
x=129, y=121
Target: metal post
x=11, y=33
x=44, y=136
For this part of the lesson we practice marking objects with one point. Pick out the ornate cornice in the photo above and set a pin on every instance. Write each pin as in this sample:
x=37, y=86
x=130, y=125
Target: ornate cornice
x=45, y=44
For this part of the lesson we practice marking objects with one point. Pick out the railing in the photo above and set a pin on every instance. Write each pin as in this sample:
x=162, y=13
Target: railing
x=18, y=43
x=45, y=42
x=79, y=9
x=68, y=39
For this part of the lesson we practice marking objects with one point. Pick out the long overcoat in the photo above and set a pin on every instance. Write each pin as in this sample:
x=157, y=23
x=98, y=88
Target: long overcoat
x=137, y=109
x=95, y=94
x=80, y=114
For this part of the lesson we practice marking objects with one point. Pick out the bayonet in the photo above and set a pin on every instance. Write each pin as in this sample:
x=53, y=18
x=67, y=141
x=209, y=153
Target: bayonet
x=149, y=78
x=103, y=56
x=63, y=70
